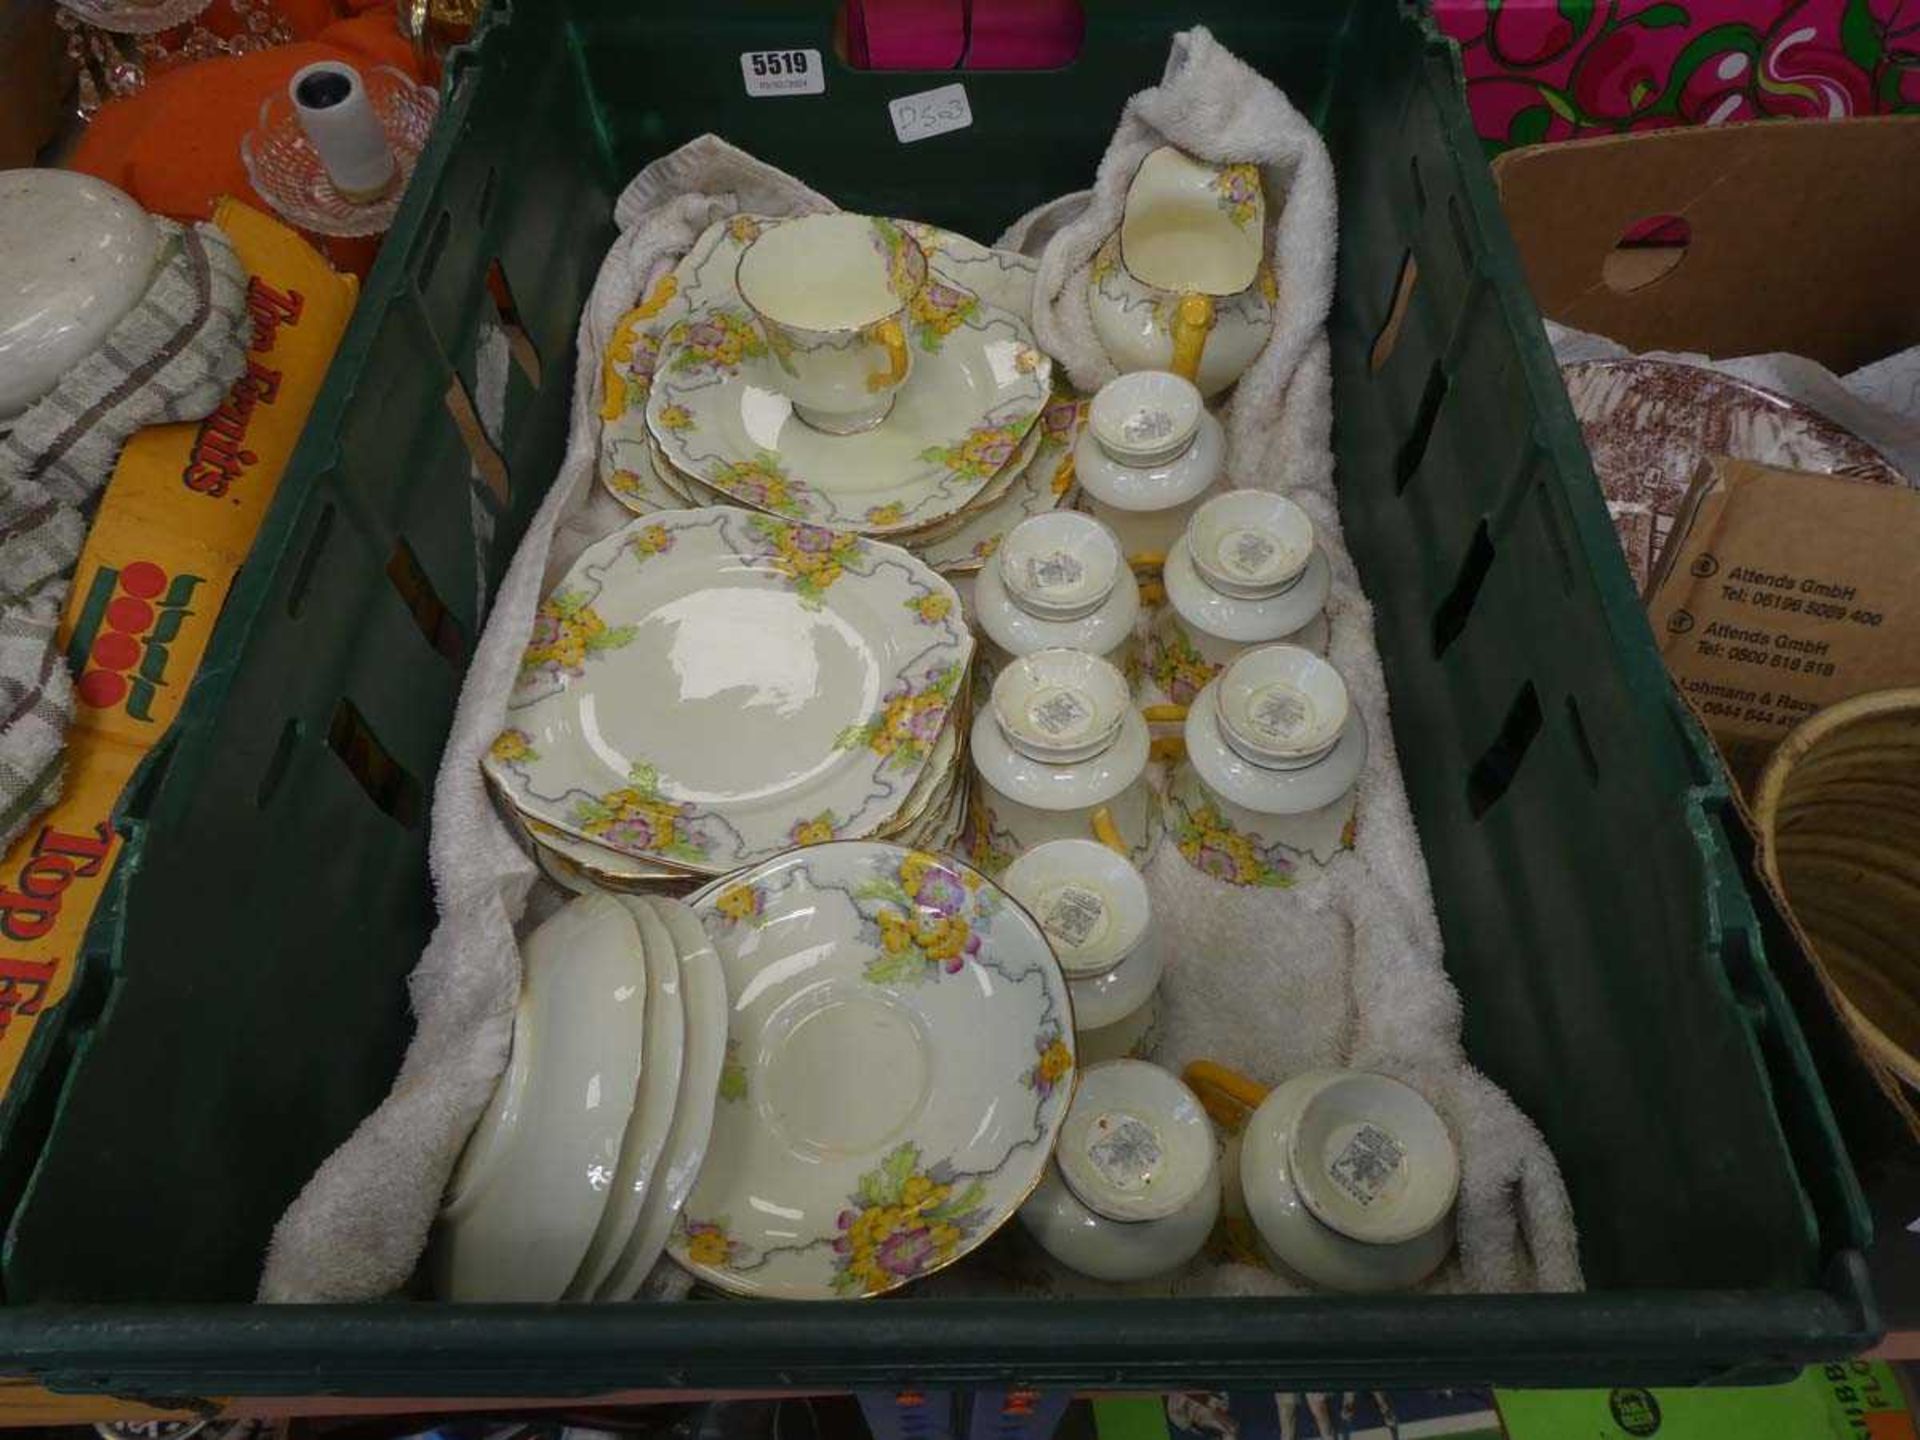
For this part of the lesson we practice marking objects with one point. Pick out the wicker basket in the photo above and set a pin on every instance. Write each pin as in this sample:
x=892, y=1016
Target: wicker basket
x=1838, y=811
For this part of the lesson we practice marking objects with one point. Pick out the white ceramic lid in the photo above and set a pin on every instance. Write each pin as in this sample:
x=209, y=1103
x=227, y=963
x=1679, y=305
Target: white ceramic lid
x=76, y=255
x=1019, y=631
x=1266, y=790
x=1281, y=707
x=1250, y=543
x=1373, y=1159
x=1146, y=417
x=1060, y=565
x=1136, y=1143
x=1045, y=786
x=1246, y=621
x=1091, y=902
x=1060, y=706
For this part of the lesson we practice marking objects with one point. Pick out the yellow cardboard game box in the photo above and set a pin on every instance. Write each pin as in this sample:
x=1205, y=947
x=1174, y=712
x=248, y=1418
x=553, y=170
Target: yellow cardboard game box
x=173, y=528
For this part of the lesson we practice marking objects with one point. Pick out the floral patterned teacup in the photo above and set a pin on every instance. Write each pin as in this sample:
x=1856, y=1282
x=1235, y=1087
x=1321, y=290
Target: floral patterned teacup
x=831, y=294
x=1183, y=285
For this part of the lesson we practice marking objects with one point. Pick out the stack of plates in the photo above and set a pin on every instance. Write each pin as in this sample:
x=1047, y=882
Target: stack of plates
x=980, y=438
x=706, y=688
x=578, y=1169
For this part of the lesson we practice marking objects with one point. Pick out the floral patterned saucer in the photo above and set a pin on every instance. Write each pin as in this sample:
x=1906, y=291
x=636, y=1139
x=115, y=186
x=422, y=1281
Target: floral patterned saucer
x=709, y=687
x=718, y=411
x=900, y=1058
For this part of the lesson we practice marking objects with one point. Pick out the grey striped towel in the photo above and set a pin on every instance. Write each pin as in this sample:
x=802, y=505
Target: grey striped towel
x=172, y=357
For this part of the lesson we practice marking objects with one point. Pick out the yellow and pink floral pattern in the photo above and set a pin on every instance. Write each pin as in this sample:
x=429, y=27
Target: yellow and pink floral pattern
x=1213, y=847
x=1176, y=665
x=981, y=454
x=905, y=1221
x=911, y=718
x=1238, y=189
x=639, y=819
x=567, y=631
x=812, y=557
x=920, y=917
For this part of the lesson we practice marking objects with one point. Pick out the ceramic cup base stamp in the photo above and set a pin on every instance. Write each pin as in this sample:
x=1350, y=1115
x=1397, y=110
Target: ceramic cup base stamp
x=1134, y=1188
x=830, y=294
x=1150, y=452
x=1247, y=572
x=1060, y=753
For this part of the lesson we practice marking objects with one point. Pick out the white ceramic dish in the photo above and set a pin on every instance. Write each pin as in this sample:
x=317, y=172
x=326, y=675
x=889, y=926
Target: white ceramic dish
x=76, y=255
x=1134, y=1189
x=708, y=687
x=1115, y=1250
x=1060, y=706
x=1269, y=790
x=1067, y=787
x=530, y=1188
x=1237, y=618
x=1015, y=630
x=1021, y=802
x=716, y=411
x=1092, y=904
x=1060, y=566
x=1281, y=707
x=1373, y=1159
x=1364, y=1140
x=1250, y=544
x=1115, y=466
x=900, y=1058
x=704, y=993
x=1136, y=1144
x=658, y=1088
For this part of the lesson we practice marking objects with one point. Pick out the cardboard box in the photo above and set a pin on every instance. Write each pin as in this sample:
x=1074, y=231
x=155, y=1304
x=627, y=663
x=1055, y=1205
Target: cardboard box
x=1795, y=238
x=1780, y=593
x=1564, y=69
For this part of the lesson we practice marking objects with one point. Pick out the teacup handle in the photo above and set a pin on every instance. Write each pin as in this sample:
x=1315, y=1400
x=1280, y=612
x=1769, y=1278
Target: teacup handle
x=889, y=334
x=1165, y=747
x=1192, y=323
x=1229, y=1097
x=1108, y=833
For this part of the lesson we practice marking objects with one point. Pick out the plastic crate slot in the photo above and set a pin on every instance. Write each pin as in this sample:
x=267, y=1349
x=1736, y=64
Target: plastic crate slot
x=277, y=762
x=309, y=562
x=388, y=783
x=1462, y=240
x=423, y=602
x=1414, y=448
x=1556, y=537
x=1451, y=616
x=1582, y=742
x=1493, y=772
x=1419, y=185
x=432, y=246
x=519, y=343
x=483, y=211
x=1389, y=334
x=488, y=463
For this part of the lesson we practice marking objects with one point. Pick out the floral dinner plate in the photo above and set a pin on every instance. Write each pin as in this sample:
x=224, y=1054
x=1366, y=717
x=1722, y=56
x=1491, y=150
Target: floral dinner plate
x=710, y=687
x=900, y=1056
x=717, y=410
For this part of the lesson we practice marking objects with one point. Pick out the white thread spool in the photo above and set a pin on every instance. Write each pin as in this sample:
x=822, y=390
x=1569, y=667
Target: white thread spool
x=339, y=122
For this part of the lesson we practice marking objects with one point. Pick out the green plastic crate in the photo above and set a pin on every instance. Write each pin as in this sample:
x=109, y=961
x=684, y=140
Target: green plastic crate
x=243, y=1000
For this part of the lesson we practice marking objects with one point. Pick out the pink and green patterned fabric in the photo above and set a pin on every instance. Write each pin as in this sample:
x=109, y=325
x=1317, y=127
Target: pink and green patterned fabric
x=1562, y=69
